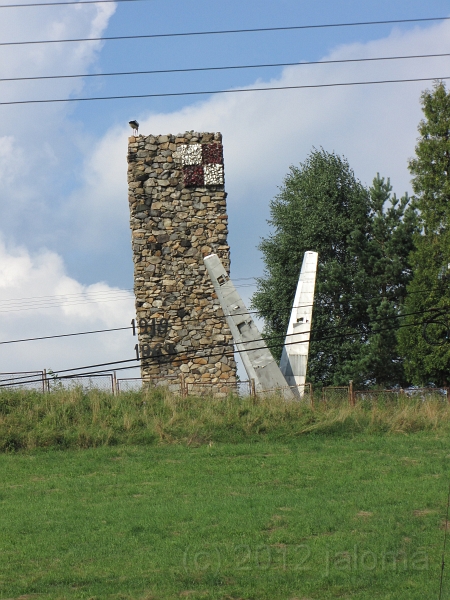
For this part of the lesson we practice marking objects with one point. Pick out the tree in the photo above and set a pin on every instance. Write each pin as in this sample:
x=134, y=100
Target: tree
x=320, y=207
x=427, y=292
x=392, y=223
x=363, y=238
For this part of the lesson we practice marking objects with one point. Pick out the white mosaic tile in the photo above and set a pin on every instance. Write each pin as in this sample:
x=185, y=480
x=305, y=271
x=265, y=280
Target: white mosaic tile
x=213, y=174
x=191, y=154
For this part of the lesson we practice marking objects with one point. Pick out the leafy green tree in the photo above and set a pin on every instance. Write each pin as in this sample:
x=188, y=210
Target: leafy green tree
x=321, y=207
x=363, y=238
x=428, y=291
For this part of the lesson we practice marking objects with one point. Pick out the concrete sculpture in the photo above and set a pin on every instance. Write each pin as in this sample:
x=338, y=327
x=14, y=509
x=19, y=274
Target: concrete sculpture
x=294, y=359
x=257, y=358
x=258, y=361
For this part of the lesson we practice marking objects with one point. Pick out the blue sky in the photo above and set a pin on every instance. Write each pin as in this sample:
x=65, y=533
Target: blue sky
x=63, y=210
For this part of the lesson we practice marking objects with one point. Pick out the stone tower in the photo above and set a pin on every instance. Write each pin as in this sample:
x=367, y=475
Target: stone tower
x=178, y=215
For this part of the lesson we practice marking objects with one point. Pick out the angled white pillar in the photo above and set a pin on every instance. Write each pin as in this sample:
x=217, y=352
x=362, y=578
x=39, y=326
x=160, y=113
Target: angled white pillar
x=257, y=358
x=294, y=359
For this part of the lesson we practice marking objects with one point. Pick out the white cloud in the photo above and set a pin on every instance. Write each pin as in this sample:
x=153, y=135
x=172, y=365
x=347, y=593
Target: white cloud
x=38, y=143
x=38, y=298
x=374, y=126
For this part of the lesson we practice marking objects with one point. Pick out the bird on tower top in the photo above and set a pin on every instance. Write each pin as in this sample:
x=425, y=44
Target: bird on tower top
x=134, y=126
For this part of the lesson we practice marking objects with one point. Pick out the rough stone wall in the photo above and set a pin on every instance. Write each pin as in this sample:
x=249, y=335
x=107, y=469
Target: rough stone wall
x=177, y=216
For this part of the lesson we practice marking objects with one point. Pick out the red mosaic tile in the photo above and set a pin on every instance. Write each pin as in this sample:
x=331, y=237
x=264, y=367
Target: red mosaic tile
x=212, y=154
x=193, y=176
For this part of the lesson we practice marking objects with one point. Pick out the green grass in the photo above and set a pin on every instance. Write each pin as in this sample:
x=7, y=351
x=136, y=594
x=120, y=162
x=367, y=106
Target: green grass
x=307, y=517
x=80, y=419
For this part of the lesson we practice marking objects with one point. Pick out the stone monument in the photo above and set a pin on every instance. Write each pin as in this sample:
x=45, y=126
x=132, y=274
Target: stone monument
x=178, y=215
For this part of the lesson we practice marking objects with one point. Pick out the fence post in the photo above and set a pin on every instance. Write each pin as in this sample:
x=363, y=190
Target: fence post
x=252, y=388
x=311, y=396
x=183, y=386
x=351, y=395
x=114, y=383
x=44, y=381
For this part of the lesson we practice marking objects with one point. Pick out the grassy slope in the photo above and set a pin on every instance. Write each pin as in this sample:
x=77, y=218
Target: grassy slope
x=78, y=419
x=312, y=517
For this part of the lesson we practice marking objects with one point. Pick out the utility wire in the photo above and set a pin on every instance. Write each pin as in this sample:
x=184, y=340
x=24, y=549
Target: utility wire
x=71, y=301
x=233, y=91
x=63, y=335
x=59, y=304
x=170, y=357
x=225, y=68
x=99, y=292
x=83, y=294
x=63, y=3
x=65, y=296
x=217, y=317
x=223, y=31
x=167, y=358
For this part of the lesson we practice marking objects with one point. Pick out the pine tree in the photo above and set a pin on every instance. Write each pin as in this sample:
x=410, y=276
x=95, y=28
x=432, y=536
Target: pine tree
x=427, y=292
x=392, y=225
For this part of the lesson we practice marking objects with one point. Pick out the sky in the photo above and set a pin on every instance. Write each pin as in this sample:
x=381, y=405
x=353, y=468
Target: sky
x=65, y=252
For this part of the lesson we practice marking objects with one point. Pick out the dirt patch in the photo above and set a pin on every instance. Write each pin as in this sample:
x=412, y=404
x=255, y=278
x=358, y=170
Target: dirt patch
x=364, y=513
x=423, y=513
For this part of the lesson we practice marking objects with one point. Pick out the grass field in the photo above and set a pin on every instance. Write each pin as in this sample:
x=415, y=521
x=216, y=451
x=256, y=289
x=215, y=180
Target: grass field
x=85, y=419
x=309, y=517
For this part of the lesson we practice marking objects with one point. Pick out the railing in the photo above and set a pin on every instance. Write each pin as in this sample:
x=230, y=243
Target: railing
x=332, y=395
x=329, y=395
x=129, y=384
x=300, y=392
x=30, y=380
x=103, y=381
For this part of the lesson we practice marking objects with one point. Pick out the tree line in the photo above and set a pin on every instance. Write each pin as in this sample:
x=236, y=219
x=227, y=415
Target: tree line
x=383, y=281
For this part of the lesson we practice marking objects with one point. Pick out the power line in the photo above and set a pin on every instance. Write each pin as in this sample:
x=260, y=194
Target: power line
x=233, y=91
x=270, y=338
x=63, y=335
x=117, y=297
x=184, y=320
x=224, y=68
x=64, y=296
x=24, y=380
x=91, y=293
x=80, y=295
x=49, y=304
x=63, y=3
x=223, y=31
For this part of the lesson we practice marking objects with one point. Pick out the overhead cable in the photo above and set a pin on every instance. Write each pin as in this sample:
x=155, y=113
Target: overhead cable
x=63, y=3
x=232, y=91
x=267, y=340
x=225, y=68
x=223, y=31
x=166, y=357
x=64, y=335
x=184, y=320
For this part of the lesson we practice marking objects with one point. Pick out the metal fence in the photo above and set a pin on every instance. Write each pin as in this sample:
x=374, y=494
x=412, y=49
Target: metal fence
x=104, y=381
x=27, y=380
x=330, y=396
x=335, y=395
x=300, y=392
x=129, y=384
